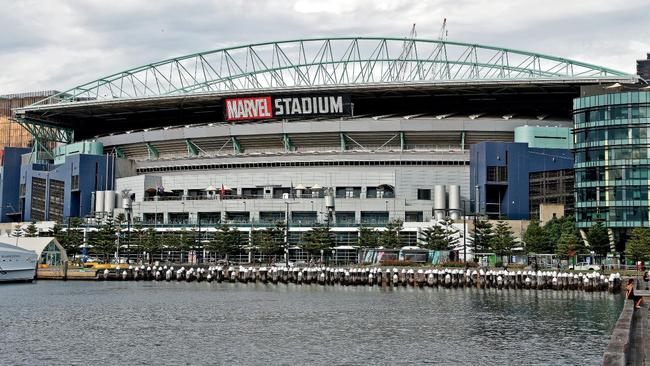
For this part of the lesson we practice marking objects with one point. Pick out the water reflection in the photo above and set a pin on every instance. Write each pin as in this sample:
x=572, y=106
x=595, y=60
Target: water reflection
x=201, y=323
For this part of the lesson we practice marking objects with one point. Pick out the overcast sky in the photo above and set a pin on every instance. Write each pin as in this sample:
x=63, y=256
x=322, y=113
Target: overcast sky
x=59, y=44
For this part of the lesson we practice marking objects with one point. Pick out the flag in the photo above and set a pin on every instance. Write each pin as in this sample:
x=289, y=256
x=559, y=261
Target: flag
x=222, y=191
x=291, y=190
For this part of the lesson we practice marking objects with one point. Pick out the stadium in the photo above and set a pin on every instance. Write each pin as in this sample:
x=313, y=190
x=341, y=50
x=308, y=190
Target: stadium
x=343, y=132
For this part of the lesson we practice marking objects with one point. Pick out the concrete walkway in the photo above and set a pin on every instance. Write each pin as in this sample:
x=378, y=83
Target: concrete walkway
x=639, y=351
x=640, y=338
x=629, y=343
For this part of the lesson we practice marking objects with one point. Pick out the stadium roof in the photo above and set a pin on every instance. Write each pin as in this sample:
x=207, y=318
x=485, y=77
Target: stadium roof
x=333, y=62
x=369, y=66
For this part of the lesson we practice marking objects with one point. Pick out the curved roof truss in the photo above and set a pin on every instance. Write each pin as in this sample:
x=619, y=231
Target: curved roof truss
x=330, y=62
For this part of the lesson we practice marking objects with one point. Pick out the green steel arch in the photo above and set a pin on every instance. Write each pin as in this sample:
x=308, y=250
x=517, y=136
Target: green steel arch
x=331, y=62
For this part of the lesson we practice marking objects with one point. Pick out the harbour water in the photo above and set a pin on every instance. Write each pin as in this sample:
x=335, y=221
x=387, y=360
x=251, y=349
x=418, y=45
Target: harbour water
x=137, y=323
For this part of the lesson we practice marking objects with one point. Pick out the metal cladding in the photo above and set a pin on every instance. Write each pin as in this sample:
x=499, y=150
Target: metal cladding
x=439, y=201
x=454, y=201
x=99, y=201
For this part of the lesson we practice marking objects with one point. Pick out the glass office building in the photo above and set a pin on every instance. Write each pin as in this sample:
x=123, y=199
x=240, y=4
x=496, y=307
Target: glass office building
x=612, y=157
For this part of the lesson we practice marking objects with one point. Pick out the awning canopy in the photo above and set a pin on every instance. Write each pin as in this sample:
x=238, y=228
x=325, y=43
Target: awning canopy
x=37, y=245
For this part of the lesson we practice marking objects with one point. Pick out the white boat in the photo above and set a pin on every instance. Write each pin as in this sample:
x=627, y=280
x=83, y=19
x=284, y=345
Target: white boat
x=17, y=264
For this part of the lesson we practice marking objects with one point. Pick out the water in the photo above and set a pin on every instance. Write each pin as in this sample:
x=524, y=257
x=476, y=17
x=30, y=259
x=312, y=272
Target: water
x=141, y=323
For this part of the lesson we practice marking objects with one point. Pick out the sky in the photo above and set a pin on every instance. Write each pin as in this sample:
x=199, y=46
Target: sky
x=58, y=44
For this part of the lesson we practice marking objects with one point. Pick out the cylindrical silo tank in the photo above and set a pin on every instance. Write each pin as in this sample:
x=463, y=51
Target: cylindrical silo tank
x=439, y=201
x=99, y=201
x=109, y=201
x=454, y=201
x=329, y=201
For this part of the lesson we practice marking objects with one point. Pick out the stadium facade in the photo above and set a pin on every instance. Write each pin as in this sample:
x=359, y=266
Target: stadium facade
x=340, y=132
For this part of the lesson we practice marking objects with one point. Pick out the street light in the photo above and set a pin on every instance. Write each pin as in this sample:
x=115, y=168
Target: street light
x=286, y=232
x=465, y=231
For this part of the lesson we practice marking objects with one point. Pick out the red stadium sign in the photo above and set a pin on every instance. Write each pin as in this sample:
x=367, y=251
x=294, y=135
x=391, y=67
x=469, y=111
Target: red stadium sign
x=246, y=109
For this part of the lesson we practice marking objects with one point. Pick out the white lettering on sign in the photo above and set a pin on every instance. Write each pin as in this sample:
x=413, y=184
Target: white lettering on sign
x=308, y=105
x=240, y=109
x=248, y=108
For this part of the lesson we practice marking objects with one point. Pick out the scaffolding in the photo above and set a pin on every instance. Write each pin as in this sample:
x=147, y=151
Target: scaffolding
x=551, y=187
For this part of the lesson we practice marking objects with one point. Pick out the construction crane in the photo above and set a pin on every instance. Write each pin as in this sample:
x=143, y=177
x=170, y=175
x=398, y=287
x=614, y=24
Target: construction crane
x=401, y=66
x=414, y=33
x=442, y=36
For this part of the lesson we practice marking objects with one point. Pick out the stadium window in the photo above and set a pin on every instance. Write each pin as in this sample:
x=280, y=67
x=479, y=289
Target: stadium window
x=75, y=182
x=497, y=174
x=424, y=194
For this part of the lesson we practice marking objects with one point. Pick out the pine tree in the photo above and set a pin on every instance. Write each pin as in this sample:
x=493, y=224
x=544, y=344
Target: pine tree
x=451, y=239
x=105, y=239
x=481, y=236
x=503, y=239
x=262, y=241
x=569, y=245
x=434, y=238
x=60, y=235
x=368, y=237
x=227, y=241
x=317, y=239
x=140, y=235
x=168, y=242
x=17, y=231
x=554, y=229
x=536, y=239
x=151, y=243
x=31, y=231
x=598, y=239
x=72, y=238
x=389, y=238
x=120, y=220
x=185, y=241
x=637, y=247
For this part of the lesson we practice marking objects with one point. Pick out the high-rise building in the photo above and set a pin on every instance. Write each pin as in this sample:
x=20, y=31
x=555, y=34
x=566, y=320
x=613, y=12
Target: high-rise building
x=612, y=160
x=11, y=133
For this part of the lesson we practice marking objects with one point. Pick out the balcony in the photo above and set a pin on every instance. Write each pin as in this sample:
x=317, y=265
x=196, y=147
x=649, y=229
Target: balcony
x=296, y=195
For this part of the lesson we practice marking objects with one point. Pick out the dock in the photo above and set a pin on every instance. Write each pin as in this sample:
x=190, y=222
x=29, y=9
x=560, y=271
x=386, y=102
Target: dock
x=366, y=276
x=630, y=340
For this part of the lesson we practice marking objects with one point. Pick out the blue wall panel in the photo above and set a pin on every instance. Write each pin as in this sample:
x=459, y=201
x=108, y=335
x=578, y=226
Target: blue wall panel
x=520, y=161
